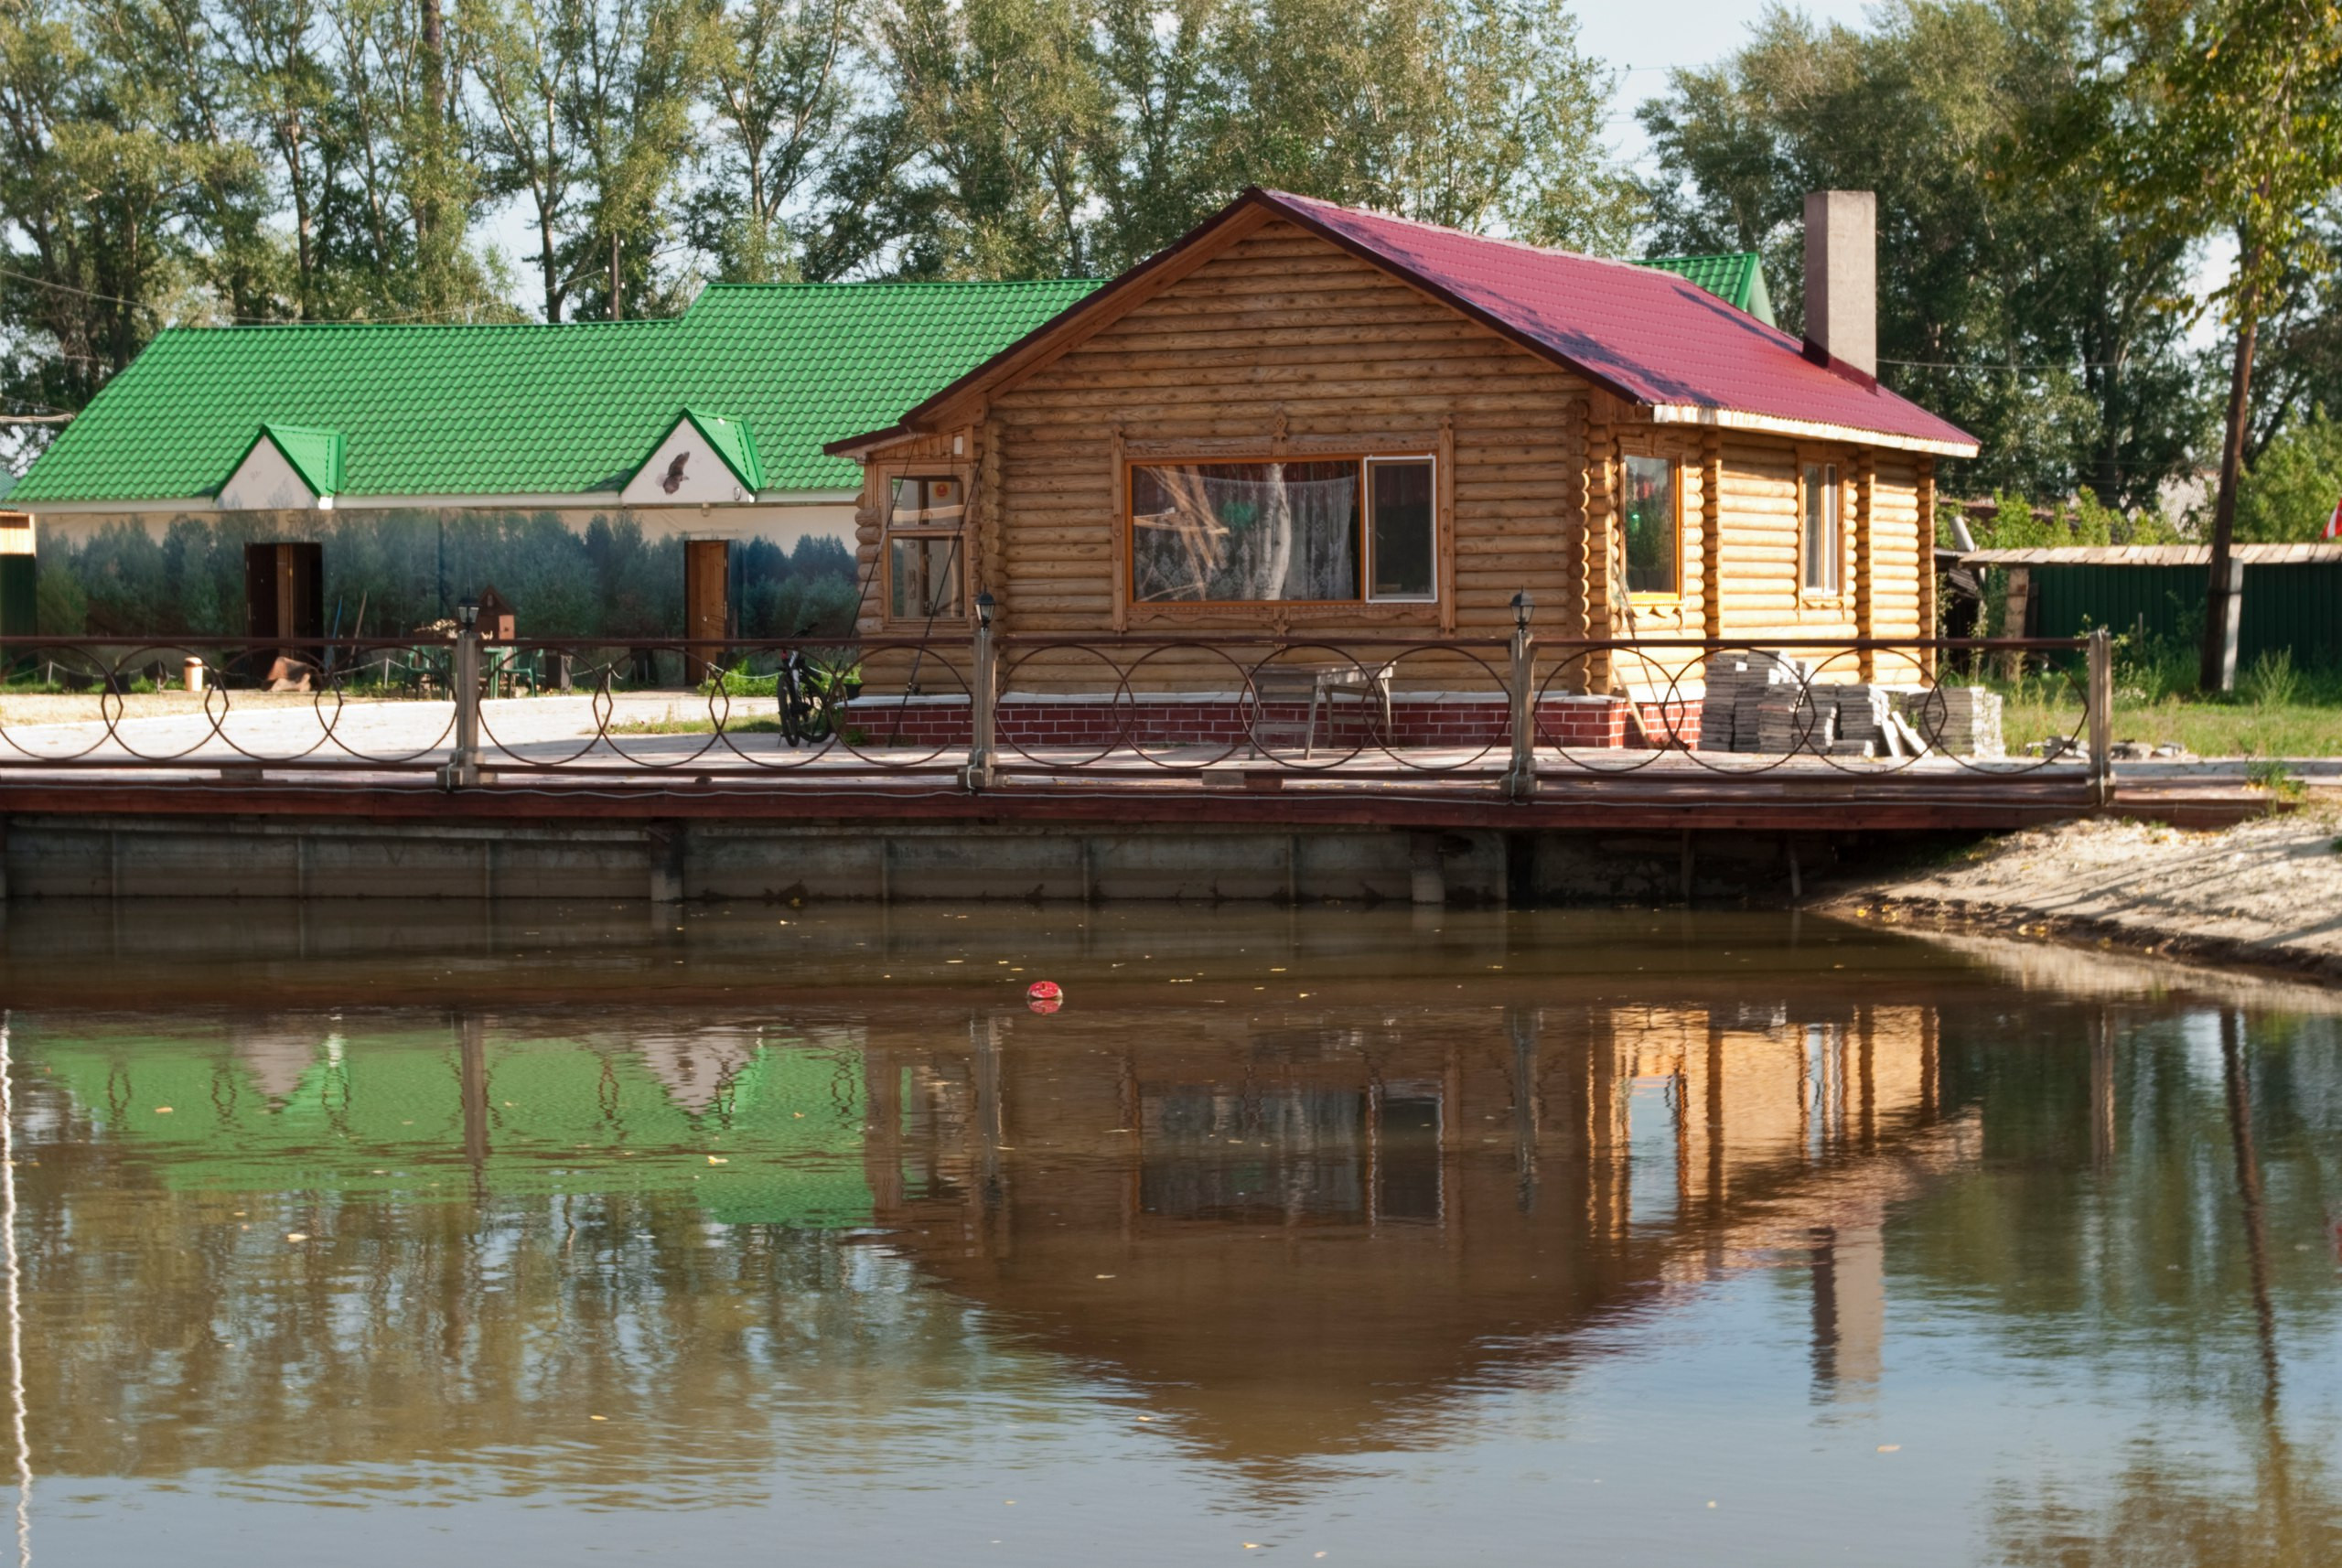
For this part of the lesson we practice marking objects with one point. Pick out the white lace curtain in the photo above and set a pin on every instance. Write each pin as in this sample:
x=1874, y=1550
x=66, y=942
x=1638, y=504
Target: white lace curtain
x=1218, y=532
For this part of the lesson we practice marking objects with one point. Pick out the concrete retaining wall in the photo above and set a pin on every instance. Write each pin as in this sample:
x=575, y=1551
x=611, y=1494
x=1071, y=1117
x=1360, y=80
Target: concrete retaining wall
x=214, y=857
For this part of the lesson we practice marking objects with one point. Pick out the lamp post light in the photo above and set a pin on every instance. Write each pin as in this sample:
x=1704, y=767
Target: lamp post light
x=983, y=674
x=1521, y=778
x=463, y=763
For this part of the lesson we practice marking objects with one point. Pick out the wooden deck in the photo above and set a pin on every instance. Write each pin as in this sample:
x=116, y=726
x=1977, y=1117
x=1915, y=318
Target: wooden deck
x=558, y=760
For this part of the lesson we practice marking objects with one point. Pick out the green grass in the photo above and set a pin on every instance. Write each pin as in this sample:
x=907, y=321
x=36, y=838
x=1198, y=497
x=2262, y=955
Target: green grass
x=767, y=726
x=2276, y=710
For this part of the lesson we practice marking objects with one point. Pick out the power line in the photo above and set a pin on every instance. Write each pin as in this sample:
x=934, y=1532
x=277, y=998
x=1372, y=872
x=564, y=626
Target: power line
x=1966, y=365
x=240, y=320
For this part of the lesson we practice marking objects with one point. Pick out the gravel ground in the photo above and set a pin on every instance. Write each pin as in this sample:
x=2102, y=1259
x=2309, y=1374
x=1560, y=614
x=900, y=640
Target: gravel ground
x=2268, y=892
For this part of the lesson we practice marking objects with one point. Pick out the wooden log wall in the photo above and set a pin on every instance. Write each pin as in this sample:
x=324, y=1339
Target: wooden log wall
x=1283, y=342
x=1902, y=561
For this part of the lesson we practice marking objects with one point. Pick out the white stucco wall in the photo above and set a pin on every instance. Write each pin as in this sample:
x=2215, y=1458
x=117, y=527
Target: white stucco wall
x=264, y=481
x=704, y=476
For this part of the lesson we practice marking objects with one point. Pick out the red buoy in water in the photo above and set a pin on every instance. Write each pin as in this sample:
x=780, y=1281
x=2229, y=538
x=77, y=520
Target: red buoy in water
x=1044, y=996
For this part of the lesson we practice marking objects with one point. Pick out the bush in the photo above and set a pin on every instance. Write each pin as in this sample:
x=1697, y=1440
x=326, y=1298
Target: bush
x=2272, y=681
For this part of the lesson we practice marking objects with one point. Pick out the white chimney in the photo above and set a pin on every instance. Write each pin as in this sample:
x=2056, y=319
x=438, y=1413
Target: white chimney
x=1841, y=275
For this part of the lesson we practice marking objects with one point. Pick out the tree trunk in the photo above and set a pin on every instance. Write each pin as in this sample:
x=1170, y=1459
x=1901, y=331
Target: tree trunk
x=2213, y=674
x=617, y=303
x=552, y=283
x=435, y=63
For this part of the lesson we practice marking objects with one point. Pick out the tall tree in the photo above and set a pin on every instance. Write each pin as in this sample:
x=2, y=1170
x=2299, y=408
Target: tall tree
x=2011, y=300
x=405, y=196
x=780, y=88
x=284, y=87
x=2241, y=132
x=1476, y=113
x=1152, y=158
x=625, y=96
x=89, y=186
x=995, y=105
x=523, y=52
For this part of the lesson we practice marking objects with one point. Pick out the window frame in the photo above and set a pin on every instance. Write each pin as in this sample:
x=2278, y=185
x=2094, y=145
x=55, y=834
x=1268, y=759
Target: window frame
x=1362, y=457
x=1675, y=474
x=1840, y=465
x=890, y=478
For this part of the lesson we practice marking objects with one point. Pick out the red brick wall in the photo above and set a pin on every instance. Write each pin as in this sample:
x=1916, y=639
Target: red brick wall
x=1561, y=721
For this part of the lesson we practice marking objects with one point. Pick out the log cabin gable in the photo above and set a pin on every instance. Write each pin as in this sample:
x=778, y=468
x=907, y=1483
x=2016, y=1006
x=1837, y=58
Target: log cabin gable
x=1283, y=347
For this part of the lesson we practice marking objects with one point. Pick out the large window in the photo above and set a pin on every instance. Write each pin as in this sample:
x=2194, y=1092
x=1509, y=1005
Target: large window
x=1654, y=533
x=924, y=569
x=1312, y=531
x=1824, y=548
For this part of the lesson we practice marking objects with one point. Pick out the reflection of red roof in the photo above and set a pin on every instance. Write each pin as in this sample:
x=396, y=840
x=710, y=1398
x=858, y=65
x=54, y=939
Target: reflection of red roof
x=1648, y=336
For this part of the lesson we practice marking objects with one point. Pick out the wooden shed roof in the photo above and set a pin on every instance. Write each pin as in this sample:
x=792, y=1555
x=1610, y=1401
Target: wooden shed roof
x=1643, y=334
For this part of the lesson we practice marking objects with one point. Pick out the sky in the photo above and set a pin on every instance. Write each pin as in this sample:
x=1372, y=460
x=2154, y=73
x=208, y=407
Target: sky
x=1642, y=40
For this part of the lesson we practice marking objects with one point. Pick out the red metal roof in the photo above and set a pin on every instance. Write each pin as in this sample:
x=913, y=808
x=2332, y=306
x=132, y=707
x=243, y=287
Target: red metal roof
x=1644, y=335
x=1648, y=336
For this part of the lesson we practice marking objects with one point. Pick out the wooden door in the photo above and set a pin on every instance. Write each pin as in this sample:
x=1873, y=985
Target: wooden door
x=283, y=597
x=708, y=603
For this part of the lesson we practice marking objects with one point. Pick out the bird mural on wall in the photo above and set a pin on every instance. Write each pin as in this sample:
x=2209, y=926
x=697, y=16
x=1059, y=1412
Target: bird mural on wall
x=674, y=479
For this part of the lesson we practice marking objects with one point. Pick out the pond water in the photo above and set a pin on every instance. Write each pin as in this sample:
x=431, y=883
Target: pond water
x=763, y=1234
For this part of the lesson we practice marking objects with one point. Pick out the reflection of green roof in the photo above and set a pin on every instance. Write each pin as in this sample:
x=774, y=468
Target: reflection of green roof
x=316, y=454
x=537, y=410
x=385, y=1116
x=1736, y=277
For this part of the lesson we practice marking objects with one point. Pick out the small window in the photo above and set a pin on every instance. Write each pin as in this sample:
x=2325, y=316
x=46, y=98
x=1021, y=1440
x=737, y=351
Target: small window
x=923, y=531
x=1824, y=547
x=1654, y=540
x=1400, y=528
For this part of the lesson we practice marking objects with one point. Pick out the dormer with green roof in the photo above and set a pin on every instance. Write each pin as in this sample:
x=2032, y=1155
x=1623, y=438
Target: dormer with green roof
x=708, y=459
x=1736, y=277
x=286, y=467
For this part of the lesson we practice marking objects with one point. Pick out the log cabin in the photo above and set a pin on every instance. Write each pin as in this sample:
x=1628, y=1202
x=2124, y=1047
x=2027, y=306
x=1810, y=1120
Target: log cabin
x=1308, y=421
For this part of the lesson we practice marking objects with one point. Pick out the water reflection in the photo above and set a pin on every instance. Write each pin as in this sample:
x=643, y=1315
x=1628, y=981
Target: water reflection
x=838, y=1245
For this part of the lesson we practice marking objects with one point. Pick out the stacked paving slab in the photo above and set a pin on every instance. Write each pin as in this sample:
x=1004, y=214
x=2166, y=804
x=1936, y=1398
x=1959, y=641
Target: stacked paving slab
x=1768, y=702
x=1963, y=720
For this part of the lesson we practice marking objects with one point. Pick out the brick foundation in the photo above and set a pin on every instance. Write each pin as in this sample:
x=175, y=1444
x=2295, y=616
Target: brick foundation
x=1036, y=722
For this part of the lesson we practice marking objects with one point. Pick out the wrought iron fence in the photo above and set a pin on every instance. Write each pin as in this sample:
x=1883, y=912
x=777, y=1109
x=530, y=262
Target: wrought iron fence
x=990, y=710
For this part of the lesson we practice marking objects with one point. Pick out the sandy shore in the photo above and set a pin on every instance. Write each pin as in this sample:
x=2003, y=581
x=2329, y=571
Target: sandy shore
x=2268, y=893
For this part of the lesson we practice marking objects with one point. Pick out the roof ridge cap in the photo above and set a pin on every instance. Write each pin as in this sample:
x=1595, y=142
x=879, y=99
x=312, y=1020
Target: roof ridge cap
x=905, y=283
x=1504, y=240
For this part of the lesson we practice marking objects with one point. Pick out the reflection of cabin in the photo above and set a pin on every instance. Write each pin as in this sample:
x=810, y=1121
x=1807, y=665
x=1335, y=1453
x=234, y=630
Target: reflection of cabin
x=1294, y=1236
x=1308, y=420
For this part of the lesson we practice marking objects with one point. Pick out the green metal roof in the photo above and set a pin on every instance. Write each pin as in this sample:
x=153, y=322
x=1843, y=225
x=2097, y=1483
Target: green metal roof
x=538, y=410
x=1736, y=277
x=316, y=454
